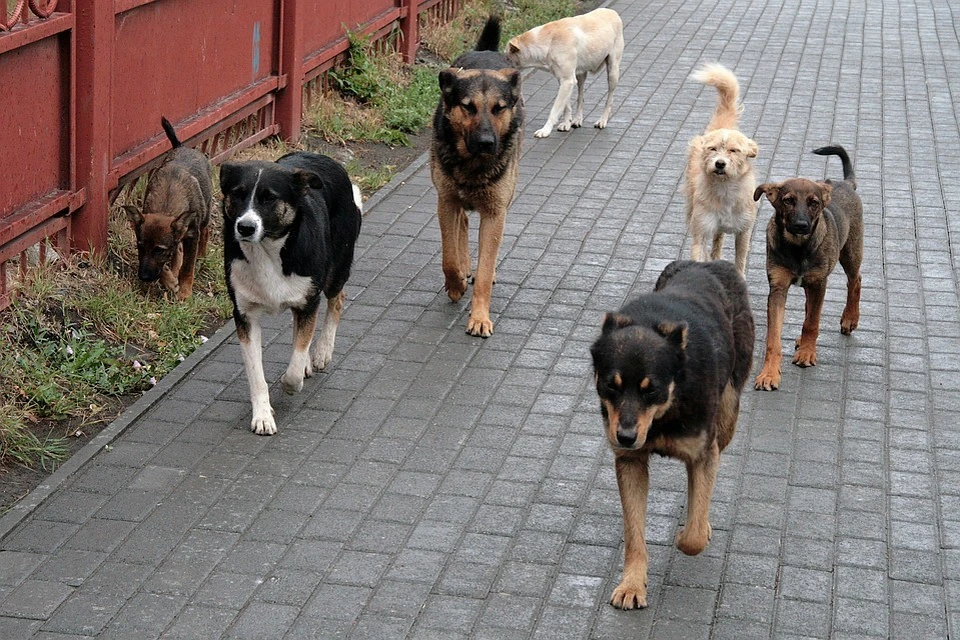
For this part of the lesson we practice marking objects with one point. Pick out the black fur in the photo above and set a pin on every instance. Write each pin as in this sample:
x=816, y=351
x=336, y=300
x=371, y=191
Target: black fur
x=837, y=150
x=696, y=330
x=171, y=132
x=320, y=237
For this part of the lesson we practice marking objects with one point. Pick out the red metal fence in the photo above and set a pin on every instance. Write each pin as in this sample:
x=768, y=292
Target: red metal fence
x=86, y=82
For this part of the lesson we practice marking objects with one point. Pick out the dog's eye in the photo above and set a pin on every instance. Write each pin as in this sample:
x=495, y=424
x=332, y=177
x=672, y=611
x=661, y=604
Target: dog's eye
x=813, y=202
x=470, y=108
x=497, y=108
x=734, y=150
x=789, y=200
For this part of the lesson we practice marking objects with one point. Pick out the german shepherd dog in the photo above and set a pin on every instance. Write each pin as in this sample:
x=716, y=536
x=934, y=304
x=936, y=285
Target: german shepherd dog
x=815, y=225
x=670, y=367
x=289, y=231
x=173, y=226
x=477, y=131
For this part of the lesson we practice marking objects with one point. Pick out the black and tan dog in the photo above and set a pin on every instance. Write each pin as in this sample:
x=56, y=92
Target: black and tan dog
x=174, y=224
x=670, y=367
x=477, y=130
x=815, y=225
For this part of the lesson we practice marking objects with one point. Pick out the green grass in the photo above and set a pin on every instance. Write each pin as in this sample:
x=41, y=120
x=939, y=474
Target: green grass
x=379, y=98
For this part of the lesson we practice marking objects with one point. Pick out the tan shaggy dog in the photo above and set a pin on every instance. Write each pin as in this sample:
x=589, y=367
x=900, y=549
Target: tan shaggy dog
x=719, y=175
x=570, y=48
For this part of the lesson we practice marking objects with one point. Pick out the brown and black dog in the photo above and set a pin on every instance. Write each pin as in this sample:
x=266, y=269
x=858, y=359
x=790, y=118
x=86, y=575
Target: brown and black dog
x=815, y=225
x=670, y=367
x=173, y=226
x=477, y=131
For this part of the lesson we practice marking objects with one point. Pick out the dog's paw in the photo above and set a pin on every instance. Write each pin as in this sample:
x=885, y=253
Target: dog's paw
x=480, y=325
x=805, y=357
x=576, y=123
x=542, y=133
x=600, y=124
x=184, y=292
x=322, y=356
x=455, y=287
x=848, y=323
x=630, y=595
x=768, y=380
x=292, y=383
x=693, y=542
x=263, y=425
x=565, y=126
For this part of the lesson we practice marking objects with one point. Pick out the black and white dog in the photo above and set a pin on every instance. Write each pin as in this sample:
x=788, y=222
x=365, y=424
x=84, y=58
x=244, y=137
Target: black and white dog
x=289, y=231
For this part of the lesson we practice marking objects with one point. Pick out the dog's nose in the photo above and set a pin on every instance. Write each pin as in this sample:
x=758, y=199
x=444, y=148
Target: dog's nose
x=627, y=438
x=799, y=227
x=487, y=144
x=720, y=164
x=246, y=229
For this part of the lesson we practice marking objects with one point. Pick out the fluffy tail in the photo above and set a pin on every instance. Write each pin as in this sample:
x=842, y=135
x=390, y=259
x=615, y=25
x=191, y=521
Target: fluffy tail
x=727, y=114
x=490, y=36
x=171, y=133
x=837, y=150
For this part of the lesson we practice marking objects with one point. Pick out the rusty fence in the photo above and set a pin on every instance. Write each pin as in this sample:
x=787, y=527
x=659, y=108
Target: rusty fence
x=86, y=82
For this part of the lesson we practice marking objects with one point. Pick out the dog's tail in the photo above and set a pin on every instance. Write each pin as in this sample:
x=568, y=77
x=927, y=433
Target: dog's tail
x=357, y=197
x=171, y=133
x=727, y=113
x=490, y=36
x=837, y=150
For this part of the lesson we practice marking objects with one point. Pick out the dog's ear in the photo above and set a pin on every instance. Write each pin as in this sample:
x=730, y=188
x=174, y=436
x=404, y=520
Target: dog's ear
x=826, y=192
x=229, y=177
x=512, y=48
x=752, y=150
x=769, y=189
x=134, y=215
x=675, y=333
x=306, y=180
x=513, y=77
x=614, y=321
x=448, y=79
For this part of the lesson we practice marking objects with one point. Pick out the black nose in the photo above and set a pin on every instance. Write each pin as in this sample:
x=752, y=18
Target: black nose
x=627, y=438
x=487, y=144
x=148, y=274
x=246, y=229
x=800, y=228
x=720, y=164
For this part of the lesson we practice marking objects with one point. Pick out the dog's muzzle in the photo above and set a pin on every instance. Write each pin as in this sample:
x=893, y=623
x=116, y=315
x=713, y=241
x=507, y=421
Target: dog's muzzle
x=248, y=228
x=801, y=228
x=720, y=167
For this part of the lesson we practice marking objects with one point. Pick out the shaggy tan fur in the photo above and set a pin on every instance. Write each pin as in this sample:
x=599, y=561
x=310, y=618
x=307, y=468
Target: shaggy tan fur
x=719, y=175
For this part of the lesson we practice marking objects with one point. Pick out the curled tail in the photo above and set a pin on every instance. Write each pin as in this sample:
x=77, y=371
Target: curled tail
x=490, y=36
x=171, y=133
x=727, y=113
x=837, y=150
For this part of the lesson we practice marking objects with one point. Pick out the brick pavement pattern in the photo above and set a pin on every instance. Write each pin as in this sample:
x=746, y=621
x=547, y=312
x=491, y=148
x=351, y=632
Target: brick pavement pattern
x=435, y=485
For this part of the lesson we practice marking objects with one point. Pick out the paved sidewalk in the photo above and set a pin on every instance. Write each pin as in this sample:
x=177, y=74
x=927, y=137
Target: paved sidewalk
x=435, y=485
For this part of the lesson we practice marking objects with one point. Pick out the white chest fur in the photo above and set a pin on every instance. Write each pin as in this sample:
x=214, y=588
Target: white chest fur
x=259, y=283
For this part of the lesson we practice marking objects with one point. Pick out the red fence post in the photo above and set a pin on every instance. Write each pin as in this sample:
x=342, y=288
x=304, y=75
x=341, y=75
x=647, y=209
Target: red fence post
x=290, y=97
x=94, y=66
x=409, y=28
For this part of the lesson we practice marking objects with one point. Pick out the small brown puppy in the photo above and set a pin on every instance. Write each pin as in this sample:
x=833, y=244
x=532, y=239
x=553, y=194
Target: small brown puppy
x=173, y=226
x=805, y=239
x=474, y=163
